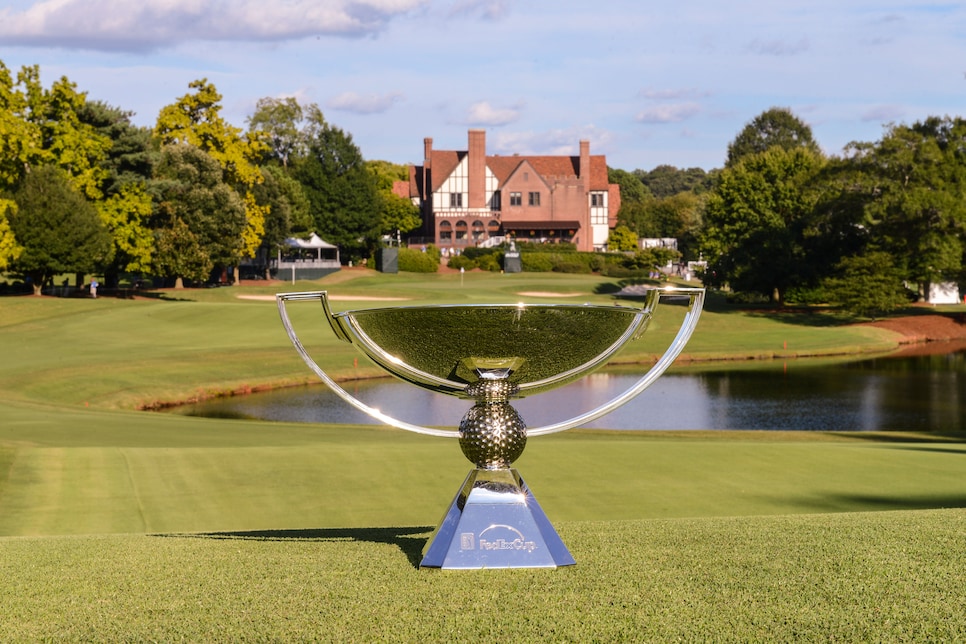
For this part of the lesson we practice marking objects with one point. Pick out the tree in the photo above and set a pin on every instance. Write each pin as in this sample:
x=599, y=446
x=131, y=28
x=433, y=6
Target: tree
x=288, y=210
x=622, y=239
x=197, y=214
x=867, y=285
x=66, y=140
x=58, y=228
x=632, y=190
x=396, y=214
x=279, y=122
x=776, y=127
x=128, y=170
x=342, y=192
x=10, y=250
x=126, y=215
x=132, y=154
x=195, y=119
x=20, y=140
x=912, y=197
x=667, y=180
x=753, y=235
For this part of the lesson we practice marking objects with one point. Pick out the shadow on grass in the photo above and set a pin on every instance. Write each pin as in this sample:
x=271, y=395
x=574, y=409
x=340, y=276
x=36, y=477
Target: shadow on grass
x=410, y=540
x=880, y=503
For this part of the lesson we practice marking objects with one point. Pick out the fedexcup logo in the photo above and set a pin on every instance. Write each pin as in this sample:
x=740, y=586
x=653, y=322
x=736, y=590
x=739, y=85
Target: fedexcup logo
x=497, y=537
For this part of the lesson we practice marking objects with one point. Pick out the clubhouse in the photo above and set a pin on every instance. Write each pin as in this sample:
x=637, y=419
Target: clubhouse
x=469, y=198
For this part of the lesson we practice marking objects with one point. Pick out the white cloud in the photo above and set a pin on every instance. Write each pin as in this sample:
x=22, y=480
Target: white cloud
x=364, y=104
x=552, y=142
x=673, y=113
x=147, y=25
x=483, y=113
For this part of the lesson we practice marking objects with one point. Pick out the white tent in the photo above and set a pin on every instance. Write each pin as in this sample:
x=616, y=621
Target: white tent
x=314, y=242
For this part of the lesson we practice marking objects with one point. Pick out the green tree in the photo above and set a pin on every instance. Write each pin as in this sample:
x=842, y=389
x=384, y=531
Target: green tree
x=667, y=180
x=128, y=171
x=195, y=119
x=21, y=141
x=632, y=190
x=280, y=122
x=755, y=222
x=192, y=192
x=288, y=210
x=396, y=213
x=10, y=250
x=58, y=228
x=132, y=154
x=911, y=188
x=179, y=254
x=622, y=239
x=342, y=192
x=66, y=140
x=776, y=127
x=867, y=285
x=126, y=214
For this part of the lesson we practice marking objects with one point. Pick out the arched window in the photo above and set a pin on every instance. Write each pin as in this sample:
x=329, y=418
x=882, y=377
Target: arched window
x=461, y=229
x=493, y=227
x=478, y=231
x=445, y=231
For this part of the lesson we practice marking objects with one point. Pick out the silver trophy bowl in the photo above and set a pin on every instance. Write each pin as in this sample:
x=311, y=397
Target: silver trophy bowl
x=490, y=355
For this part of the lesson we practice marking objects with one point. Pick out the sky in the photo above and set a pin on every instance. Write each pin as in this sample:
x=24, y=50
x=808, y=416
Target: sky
x=647, y=83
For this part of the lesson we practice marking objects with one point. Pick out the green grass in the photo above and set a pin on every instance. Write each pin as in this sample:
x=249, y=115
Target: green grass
x=124, y=525
x=128, y=353
x=896, y=576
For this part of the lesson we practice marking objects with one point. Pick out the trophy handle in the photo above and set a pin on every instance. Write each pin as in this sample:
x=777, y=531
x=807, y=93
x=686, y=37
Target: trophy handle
x=281, y=298
x=695, y=305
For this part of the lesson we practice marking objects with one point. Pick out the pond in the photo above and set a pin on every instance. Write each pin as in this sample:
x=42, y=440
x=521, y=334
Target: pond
x=896, y=392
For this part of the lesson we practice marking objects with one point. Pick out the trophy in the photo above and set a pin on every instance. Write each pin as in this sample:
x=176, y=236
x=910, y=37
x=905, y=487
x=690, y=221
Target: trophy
x=490, y=355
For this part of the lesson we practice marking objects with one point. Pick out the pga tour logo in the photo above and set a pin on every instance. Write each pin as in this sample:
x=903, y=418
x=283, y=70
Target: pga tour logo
x=497, y=537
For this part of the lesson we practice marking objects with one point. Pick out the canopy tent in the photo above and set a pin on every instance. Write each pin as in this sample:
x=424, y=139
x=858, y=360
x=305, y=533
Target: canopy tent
x=323, y=261
x=316, y=243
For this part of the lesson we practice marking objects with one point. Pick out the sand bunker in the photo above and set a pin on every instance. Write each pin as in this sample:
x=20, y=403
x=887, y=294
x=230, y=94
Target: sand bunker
x=332, y=298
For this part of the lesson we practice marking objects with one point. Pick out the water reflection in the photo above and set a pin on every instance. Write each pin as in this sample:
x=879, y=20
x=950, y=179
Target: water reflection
x=920, y=393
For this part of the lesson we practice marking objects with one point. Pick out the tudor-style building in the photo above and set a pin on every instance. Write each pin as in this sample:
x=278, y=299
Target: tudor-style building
x=468, y=198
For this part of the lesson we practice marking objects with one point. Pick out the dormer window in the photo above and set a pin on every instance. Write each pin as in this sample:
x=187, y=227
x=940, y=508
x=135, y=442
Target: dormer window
x=456, y=200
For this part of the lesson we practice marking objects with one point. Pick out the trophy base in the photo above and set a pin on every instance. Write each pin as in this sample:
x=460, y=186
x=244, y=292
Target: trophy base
x=495, y=522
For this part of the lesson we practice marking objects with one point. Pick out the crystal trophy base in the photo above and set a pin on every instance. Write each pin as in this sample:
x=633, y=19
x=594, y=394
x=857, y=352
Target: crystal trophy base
x=495, y=522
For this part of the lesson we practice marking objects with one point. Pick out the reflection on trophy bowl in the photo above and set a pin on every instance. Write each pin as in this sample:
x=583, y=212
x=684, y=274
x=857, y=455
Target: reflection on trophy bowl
x=492, y=354
x=535, y=347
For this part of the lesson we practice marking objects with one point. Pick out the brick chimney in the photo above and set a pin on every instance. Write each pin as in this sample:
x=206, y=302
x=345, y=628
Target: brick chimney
x=585, y=164
x=427, y=167
x=477, y=169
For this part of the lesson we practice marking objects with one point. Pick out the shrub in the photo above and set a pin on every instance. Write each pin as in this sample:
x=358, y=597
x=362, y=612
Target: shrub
x=415, y=261
x=536, y=262
x=461, y=261
x=492, y=262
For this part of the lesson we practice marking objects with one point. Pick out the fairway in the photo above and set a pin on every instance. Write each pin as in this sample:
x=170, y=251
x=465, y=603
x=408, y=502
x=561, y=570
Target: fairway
x=124, y=524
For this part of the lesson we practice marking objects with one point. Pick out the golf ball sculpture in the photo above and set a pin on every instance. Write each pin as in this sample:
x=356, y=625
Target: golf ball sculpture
x=492, y=354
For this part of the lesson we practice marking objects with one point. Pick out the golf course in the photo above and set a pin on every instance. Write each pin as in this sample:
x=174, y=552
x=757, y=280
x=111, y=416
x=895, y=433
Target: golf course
x=120, y=523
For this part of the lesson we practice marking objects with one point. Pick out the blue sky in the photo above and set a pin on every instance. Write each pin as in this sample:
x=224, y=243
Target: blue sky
x=647, y=83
